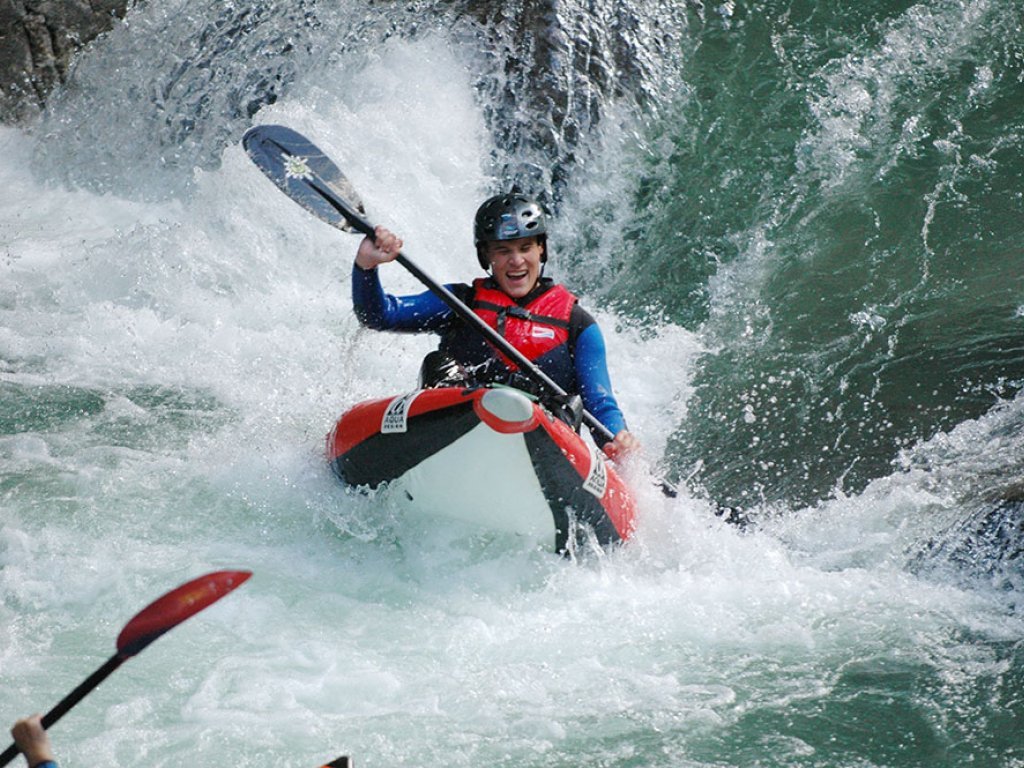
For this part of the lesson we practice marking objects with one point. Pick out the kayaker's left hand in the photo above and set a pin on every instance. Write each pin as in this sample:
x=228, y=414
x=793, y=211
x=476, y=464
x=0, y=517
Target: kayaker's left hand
x=622, y=445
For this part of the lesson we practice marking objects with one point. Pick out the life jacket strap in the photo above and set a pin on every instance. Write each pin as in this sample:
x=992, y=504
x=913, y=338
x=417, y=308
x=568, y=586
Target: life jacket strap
x=519, y=313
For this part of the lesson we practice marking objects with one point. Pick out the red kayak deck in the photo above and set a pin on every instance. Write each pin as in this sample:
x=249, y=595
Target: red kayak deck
x=490, y=456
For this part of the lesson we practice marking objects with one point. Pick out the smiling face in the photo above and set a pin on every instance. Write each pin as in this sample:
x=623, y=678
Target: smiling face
x=515, y=264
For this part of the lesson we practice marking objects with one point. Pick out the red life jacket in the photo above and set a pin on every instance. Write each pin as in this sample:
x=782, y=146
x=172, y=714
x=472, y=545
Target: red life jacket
x=536, y=329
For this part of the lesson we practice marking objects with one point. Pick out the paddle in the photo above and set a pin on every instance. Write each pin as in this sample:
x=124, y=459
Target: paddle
x=147, y=625
x=310, y=178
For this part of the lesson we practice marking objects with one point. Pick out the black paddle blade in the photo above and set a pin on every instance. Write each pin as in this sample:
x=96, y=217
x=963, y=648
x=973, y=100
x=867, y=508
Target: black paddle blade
x=307, y=176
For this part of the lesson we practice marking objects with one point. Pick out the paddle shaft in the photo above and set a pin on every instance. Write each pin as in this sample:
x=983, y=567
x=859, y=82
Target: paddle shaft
x=69, y=701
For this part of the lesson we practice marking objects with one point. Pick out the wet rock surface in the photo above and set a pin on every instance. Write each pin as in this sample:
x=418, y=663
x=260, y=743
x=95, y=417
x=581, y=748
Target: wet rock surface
x=38, y=41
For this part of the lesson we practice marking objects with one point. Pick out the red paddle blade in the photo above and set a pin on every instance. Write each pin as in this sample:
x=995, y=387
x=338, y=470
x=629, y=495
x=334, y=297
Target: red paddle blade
x=169, y=611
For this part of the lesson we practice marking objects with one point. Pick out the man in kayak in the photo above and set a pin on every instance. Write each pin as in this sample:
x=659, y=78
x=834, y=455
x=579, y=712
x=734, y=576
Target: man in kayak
x=539, y=317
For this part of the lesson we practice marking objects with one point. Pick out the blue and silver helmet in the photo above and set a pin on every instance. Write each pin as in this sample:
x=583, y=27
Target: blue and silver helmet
x=507, y=217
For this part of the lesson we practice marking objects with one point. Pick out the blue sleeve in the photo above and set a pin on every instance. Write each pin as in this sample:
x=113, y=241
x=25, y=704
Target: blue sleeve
x=594, y=382
x=384, y=312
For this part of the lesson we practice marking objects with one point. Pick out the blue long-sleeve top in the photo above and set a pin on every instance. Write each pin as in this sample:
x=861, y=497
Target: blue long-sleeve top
x=426, y=312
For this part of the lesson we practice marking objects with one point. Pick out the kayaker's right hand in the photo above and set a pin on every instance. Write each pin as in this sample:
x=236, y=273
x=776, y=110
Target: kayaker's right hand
x=383, y=247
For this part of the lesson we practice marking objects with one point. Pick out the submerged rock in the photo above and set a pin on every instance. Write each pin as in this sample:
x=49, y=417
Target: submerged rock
x=986, y=544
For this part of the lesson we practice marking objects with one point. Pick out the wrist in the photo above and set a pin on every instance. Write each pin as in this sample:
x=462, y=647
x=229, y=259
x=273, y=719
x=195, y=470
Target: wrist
x=39, y=756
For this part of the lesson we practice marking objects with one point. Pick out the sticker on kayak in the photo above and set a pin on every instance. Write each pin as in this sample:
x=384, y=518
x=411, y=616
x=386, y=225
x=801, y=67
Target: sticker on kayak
x=597, y=475
x=396, y=415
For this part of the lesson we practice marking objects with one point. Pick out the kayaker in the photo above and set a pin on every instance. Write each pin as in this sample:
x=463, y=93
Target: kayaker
x=539, y=317
x=34, y=743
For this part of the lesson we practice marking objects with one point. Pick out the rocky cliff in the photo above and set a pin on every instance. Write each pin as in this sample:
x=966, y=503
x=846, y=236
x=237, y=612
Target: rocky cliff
x=38, y=39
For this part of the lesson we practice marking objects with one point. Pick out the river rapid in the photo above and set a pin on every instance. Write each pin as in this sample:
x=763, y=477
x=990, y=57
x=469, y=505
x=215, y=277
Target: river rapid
x=803, y=247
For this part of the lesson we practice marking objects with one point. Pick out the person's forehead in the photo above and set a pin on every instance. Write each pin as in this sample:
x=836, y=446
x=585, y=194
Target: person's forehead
x=494, y=244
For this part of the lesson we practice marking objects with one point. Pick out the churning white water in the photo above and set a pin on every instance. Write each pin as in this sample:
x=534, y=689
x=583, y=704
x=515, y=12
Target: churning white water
x=169, y=371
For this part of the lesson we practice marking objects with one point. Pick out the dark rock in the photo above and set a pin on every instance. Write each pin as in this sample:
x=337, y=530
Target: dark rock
x=38, y=40
x=986, y=544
